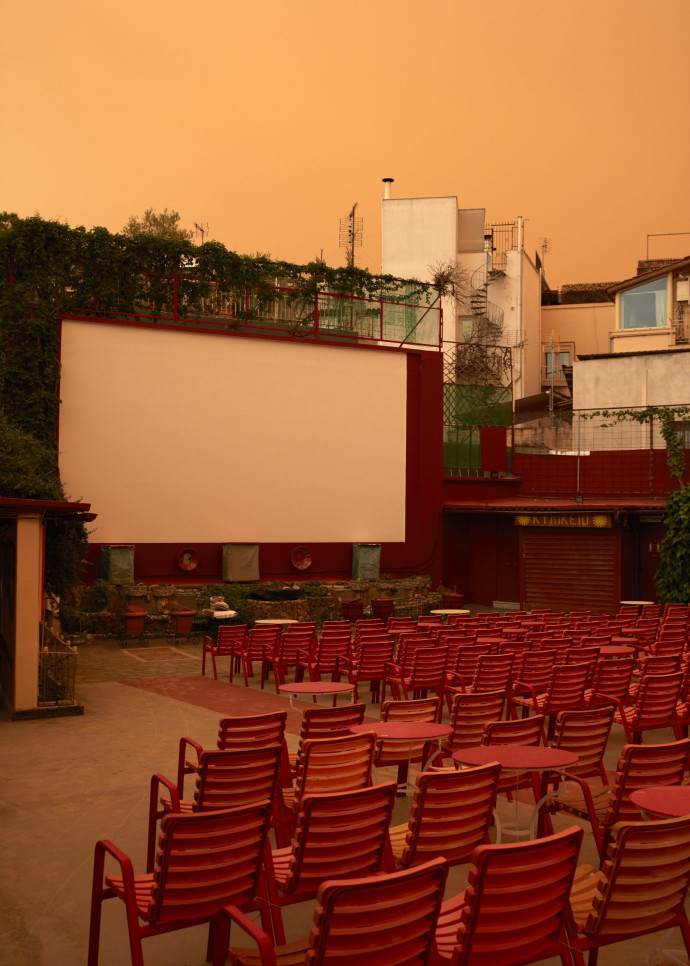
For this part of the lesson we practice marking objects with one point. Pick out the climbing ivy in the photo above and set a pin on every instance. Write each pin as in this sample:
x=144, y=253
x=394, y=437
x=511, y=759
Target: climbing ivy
x=667, y=417
x=673, y=572
x=48, y=269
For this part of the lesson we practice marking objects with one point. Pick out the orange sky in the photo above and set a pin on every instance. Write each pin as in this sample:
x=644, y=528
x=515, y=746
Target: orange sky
x=268, y=120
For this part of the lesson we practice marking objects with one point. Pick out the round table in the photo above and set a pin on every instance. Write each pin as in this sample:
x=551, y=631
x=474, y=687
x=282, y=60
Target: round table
x=451, y=612
x=518, y=758
x=616, y=650
x=276, y=620
x=408, y=733
x=314, y=688
x=635, y=603
x=670, y=801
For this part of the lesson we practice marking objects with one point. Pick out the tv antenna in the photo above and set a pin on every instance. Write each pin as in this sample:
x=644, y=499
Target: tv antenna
x=351, y=231
x=202, y=229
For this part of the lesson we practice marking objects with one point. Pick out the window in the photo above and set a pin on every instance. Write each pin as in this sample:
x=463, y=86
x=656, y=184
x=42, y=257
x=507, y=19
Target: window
x=645, y=307
x=683, y=433
x=554, y=362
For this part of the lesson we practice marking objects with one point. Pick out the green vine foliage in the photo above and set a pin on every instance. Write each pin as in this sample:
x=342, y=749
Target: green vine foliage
x=27, y=471
x=48, y=269
x=667, y=417
x=673, y=573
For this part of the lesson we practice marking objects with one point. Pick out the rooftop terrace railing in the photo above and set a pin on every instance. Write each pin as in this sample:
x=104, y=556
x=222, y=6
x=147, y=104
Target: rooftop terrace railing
x=581, y=452
x=590, y=451
x=188, y=303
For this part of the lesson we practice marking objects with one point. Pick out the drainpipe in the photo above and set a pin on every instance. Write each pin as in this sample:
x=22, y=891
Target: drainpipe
x=521, y=296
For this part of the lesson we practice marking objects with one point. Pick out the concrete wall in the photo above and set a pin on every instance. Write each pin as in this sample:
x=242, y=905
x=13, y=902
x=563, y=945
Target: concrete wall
x=415, y=233
x=642, y=340
x=588, y=326
x=182, y=436
x=518, y=293
x=625, y=381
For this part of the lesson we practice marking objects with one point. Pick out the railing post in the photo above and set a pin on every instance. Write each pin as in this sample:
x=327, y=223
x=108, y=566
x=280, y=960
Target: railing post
x=651, y=455
x=316, y=315
x=381, y=318
x=175, y=292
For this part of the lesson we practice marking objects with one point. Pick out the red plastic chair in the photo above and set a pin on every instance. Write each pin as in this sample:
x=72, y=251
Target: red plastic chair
x=427, y=673
x=611, y=682
x=390, y=752
x=531, y=674
x=328, y=656
x=451, y=816
x=640, y=888
x=238, y=733
x=586, y=733
x=204, y=861
x=368, y=663
x=328, y=765
x=288, y=652
x=524, y=731
x=230, y=642
x=654, y=707
x=564, y=692
x=226, y=779
x=515, y=909
x=470, y=713
x=259, y=646
x=369, y=921
x=638, y=767
x=492, y=673
x=325, y=722
x=338, y=835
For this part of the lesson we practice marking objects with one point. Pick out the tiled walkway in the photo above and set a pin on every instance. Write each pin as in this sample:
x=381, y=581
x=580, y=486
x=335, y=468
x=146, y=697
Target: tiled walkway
x=68, y=782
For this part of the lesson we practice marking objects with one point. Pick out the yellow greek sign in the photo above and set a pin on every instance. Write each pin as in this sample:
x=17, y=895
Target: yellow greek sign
x=598, y=520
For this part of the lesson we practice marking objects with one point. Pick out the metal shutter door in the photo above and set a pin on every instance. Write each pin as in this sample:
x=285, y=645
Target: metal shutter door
x=571, y=569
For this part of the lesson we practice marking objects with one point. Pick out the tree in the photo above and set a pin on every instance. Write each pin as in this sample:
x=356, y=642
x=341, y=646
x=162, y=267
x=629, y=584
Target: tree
x=165, y=225
x=28, y=471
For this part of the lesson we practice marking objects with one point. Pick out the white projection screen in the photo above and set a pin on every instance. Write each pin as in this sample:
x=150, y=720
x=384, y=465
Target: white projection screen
x=177, y=436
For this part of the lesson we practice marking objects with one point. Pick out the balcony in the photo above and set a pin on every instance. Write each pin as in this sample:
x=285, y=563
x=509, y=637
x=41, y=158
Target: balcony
x=400, y=319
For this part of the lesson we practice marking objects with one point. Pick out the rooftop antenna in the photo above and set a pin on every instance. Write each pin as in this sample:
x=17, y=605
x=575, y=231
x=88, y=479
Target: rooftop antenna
x=202, y=228
x=545, y=248
x=351, y=231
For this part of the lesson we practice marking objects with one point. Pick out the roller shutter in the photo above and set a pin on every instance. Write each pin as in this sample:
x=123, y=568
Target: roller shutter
x=571, y=569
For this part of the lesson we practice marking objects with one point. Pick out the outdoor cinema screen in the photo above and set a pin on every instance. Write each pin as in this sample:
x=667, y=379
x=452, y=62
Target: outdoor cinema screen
x=178, y=436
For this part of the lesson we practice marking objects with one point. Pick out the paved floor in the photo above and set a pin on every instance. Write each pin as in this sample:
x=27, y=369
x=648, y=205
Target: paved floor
x=71, y=781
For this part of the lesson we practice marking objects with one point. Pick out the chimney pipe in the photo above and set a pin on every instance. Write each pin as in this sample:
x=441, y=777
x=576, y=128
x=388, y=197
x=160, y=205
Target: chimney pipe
x=387, y=188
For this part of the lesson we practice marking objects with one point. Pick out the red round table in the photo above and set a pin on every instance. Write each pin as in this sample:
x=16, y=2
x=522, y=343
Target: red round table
x=406, y=732
x=518, y=758
x=315, y=688
x=616, y=650
x=667, y=800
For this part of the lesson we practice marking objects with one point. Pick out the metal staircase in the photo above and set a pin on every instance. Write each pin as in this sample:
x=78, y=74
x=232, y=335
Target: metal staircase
x=488, y=317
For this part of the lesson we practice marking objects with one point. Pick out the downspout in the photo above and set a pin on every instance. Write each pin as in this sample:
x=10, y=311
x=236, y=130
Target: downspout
x=520, y=307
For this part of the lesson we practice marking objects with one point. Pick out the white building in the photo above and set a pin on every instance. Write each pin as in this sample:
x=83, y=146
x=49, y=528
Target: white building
x=500, y=301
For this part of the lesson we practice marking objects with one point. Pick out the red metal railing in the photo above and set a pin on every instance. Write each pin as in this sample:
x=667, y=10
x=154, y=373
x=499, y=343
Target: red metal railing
x=323, y=316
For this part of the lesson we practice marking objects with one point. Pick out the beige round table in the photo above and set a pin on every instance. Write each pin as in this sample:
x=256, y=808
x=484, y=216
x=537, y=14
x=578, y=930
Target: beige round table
x=315, y=688
x=451, y=611
x=276, y=620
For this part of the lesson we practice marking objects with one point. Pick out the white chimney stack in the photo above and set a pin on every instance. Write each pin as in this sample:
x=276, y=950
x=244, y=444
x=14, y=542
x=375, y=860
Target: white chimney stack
x=387, y=188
